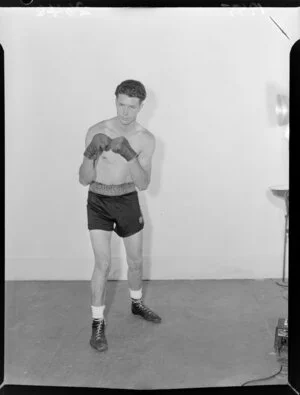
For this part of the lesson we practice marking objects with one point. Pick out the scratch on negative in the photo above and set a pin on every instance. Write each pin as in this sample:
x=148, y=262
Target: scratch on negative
x=279, y=27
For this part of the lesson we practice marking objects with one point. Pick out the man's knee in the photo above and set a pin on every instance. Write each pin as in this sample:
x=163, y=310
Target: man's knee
x=135, y=264
x=101, y=246
x=102, y=264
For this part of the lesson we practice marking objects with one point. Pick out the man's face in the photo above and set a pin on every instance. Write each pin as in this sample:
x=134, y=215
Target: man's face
x=127, y=108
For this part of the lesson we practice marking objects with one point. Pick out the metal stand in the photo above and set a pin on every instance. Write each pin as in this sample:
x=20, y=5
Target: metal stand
x=281, y=344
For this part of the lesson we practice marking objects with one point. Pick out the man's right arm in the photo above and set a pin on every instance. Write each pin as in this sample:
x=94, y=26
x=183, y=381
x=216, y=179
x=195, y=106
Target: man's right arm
x=87, y=171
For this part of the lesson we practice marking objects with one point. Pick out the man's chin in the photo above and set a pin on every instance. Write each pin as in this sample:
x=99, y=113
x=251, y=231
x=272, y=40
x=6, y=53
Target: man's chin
x=125, y=121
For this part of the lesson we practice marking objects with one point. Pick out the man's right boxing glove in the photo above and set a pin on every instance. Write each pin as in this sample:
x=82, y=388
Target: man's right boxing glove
x=99, y=143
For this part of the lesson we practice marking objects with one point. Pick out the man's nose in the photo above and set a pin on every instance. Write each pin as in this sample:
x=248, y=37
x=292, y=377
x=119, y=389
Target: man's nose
x=125, y=110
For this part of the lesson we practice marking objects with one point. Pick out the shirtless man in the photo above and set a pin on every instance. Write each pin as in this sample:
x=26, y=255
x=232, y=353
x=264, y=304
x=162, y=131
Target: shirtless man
x=117, y=160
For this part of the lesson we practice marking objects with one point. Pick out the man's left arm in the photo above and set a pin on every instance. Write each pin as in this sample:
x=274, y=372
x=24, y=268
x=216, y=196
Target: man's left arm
x=140, y=166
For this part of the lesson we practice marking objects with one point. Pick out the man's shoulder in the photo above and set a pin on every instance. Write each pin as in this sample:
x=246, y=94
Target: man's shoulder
x=97, y=127
x=147, y=140
x=146, y=135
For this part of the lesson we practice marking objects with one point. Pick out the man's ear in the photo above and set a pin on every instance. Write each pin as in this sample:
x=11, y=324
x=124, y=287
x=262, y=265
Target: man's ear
x=141, y=106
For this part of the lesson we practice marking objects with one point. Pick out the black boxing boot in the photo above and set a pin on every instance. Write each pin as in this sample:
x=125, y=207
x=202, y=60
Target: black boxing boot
x=138, y=308
x=98, y=339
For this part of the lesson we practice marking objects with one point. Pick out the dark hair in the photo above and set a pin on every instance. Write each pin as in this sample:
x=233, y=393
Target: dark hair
x=132, y=88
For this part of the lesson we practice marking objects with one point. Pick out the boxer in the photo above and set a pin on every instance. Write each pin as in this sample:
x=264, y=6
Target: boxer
x=116, y=165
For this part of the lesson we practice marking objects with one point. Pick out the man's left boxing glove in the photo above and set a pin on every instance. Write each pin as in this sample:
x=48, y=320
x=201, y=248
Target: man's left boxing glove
x=99, y=143
x=120, y=145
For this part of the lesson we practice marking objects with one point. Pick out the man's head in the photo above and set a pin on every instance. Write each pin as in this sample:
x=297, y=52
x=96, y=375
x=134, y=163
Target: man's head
x=130, y=95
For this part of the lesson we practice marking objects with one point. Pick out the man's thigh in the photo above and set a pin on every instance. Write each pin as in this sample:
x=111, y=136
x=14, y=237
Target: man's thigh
x=134, y=246
x=101, y=243
x=129, y=217
x=100, y=212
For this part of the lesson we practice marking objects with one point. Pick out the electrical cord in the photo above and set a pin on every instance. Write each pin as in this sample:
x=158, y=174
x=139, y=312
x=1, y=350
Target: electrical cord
x=282, y=285
x=263, y=379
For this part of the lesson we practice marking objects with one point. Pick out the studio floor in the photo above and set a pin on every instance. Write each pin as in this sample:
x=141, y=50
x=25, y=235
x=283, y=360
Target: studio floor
x=213, y=333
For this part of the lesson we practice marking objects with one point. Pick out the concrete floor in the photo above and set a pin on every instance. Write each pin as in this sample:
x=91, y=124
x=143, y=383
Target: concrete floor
x=214, y=333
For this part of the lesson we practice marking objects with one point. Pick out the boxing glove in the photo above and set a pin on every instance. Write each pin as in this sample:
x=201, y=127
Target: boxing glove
x=120, y=145
x=99, y=143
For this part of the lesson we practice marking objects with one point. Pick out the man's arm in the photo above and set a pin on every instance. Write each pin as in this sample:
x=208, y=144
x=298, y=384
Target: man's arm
x=87, y=171
x=140, y=166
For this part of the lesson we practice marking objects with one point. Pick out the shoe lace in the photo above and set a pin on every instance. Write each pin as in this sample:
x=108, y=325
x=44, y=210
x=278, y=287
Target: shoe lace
x=99, y=329
x=144, y=308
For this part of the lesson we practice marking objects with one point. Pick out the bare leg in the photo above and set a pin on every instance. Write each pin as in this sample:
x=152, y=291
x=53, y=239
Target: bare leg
x=134, y=253
x=133, y=245
x=102, y=251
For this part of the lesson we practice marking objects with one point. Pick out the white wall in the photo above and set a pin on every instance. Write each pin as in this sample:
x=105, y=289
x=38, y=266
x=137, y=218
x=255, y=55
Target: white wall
x=211, y=77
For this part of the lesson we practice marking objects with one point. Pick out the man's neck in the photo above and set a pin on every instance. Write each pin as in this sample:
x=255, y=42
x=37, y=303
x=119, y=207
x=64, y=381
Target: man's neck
x=126, y=129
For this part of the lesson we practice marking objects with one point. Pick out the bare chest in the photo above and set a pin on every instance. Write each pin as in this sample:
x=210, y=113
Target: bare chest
x=112, y=168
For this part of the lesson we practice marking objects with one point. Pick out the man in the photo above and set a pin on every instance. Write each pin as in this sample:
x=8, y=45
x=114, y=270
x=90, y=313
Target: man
x=117, y=160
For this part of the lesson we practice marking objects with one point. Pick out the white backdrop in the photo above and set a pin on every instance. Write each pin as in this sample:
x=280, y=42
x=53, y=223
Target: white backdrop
x=211, y=75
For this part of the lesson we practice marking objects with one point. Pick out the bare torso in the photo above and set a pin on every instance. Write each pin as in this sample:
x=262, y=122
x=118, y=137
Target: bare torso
x=112, y=168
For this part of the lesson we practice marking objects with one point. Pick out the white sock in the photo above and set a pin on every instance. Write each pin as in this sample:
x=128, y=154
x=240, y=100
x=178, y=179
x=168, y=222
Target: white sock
x=136, y=294
x=97, y=312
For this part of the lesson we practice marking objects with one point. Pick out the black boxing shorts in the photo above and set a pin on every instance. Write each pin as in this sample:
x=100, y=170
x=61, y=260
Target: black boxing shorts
x=114, y=208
